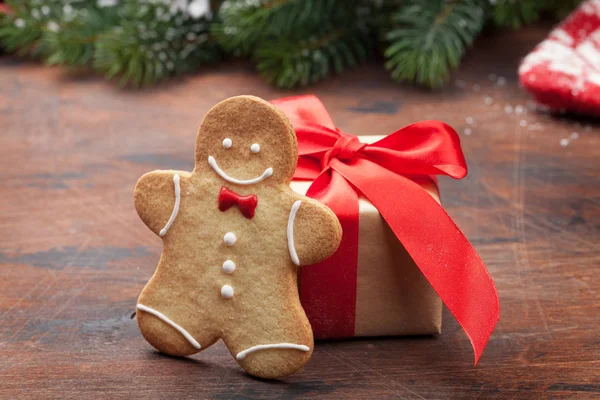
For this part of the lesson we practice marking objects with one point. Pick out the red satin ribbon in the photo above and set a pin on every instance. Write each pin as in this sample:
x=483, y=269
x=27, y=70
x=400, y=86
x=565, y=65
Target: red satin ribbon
x=386, y=172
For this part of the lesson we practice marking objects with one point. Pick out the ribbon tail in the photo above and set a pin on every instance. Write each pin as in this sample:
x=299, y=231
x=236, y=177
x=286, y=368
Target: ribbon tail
x=329, y=288
x=435, y=243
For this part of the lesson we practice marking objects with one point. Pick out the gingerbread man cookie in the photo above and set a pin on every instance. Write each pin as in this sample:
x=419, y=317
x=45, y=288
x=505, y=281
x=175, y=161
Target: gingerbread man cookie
x=234, y=234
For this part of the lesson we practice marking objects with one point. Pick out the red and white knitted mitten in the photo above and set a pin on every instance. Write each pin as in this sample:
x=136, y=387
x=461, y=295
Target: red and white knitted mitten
x=563, y=71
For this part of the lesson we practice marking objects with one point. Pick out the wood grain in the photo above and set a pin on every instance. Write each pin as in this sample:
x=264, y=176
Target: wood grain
x=74, y=255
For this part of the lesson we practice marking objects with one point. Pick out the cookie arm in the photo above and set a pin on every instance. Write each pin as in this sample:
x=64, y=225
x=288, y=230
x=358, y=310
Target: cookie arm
x=157, y=196
x=314, y=232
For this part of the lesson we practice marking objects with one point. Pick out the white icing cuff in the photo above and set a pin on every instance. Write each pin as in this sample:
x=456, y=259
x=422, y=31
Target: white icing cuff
x=290, y=232
x=242, y=354
x=166, y=320
x=164, y=230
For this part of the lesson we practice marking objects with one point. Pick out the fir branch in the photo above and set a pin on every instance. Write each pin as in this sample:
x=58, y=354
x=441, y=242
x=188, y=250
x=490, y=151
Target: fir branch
x=561, y=8
x=516, y=13
x=243, y=24
x=377, y=14
x=294, y=42
x=430, y=37
x=288, y=63
x=153, y=42
x=22, y=29
x=73, y=40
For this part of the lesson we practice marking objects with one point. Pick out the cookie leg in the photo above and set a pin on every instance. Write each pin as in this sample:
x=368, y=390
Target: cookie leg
x=166, y=335
x=275, y=351
x=274, y=360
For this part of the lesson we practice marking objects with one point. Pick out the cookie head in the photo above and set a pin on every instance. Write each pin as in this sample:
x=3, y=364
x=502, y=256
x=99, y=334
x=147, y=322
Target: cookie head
x=246, y=141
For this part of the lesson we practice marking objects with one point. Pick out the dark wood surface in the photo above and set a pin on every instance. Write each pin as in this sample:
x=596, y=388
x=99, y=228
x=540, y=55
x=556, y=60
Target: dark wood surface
x=74, y=255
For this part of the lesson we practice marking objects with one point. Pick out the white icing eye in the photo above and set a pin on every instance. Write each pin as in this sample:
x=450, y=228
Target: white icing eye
x=255, y=148
x=227, y=143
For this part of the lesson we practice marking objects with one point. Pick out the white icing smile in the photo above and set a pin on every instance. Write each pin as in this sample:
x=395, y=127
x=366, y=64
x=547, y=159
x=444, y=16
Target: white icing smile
x=213, y=164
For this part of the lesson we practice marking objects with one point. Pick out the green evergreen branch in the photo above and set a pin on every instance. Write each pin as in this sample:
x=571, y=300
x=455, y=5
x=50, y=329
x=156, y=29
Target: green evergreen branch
x=517, y=13
x=73, y=41
x=294, y=42
x=430, y=37
x=288, y=63
x=561, y=8
x=23, y=28
x=243, y=24
x=152, y=43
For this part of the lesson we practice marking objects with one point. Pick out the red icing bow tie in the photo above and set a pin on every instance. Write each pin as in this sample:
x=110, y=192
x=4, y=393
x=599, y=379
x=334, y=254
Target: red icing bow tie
x=246, y=204
x=386, y=173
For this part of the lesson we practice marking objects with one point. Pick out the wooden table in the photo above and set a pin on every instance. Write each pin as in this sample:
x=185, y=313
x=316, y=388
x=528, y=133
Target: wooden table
x=74, y=255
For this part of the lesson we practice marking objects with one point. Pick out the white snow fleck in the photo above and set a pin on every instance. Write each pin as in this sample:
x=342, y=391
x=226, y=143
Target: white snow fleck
x=469, y=120
x=564, y=142
x=535, y=127
x=199, y=8
x=53, y=26
x=519, y=109
x=177, y=5
x=501, y=81
x=574, y=135
x=508, y=109
x=19, y=23
x=468, y=131
x=523, y=123
x=488, y=101
x=107, y=3
x=476, y=87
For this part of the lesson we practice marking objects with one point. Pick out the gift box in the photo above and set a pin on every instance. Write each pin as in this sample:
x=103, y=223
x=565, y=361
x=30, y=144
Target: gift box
x=401, y=255
x=392, y=295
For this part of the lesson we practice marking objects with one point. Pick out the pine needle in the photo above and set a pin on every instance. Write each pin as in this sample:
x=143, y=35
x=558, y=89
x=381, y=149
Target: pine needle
x=429, y=38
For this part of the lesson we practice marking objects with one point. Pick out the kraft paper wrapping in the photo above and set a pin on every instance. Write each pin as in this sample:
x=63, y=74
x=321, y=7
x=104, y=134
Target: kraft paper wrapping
x=392, y=295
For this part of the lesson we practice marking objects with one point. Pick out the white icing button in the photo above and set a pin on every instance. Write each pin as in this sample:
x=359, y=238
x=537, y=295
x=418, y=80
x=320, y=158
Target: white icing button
x=227, y=292
x=227, y=143
x=228, y=267
x=230, y=238
x=255, y=148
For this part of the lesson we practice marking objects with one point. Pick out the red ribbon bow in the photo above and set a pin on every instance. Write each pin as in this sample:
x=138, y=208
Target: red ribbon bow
x=246, y=204
x=385, y=172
